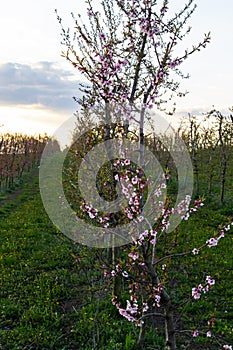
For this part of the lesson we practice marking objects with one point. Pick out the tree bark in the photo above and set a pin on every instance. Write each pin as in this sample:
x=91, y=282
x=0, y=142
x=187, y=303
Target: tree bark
x=169, y=326
x=165, y=302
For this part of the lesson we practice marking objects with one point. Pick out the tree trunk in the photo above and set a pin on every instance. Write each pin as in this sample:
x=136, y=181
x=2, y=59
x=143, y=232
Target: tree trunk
x=169, y=327
x=113, y=251
x=165, y=302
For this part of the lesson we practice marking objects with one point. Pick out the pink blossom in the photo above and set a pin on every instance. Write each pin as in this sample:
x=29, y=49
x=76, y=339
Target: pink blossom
x=132, y=309
x=195, y=251
x=131, y=201
x=130, y=318
x=91, y=215
x=157, y=300
x=212, y=242
x=195, y=293
x=210, y=281
x=122, y=312
x=221, y=234
x=125, y=191
x=158, y=192
x=130, y=186
x=134, y=255
x=172, y=64
x=227, y=347
x=186, y=216
x=127, y=195
x=195, y=333
x=143, y=235
x=118, y=267
x=175, y=63
x=153, y=241
x=90, y=13
x=130, y=215
x=133, y=209
x=153, y=233
x=102, y=36
x=125, y=274
x=145, y=307
x=140, y=323
x=114, y=300
x=208, y=334
x=134, y=180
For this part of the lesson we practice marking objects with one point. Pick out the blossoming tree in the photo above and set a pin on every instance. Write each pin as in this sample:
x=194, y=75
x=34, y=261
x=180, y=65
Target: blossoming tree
x=127, y=54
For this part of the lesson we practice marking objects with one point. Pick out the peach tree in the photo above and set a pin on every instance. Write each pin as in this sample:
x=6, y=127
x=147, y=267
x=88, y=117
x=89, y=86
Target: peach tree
x=128, y=54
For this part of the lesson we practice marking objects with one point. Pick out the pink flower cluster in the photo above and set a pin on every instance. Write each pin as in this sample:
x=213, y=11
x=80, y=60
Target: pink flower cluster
x=212, y=242
x=149, y=27
x=130, y=311
x=147, y=234
x=183, y=207
x=196, y=334
x=174, y=64
x=117, y=271
x=134, y=255
x=196, y=292
x=132, y=187
x=156, y=294
x=106, y=73
x=93, y=214
x=135, y=269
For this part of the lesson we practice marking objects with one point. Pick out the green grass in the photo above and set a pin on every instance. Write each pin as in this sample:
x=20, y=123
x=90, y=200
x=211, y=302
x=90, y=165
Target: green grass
x=191, y=271
x=53, y=294
x=36, y=268
x=47, y=299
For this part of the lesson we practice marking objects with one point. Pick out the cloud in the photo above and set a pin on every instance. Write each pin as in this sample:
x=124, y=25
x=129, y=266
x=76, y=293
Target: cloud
x=43, y=85
x=193, y=111
x=201, y=111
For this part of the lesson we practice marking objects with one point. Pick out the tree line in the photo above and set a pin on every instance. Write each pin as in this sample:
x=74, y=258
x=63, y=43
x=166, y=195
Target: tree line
x=19, y=154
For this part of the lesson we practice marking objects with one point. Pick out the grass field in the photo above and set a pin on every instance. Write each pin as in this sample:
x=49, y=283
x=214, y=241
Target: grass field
x=53, y=294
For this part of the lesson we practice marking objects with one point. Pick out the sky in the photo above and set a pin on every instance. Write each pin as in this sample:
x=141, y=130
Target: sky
x=37, y=84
